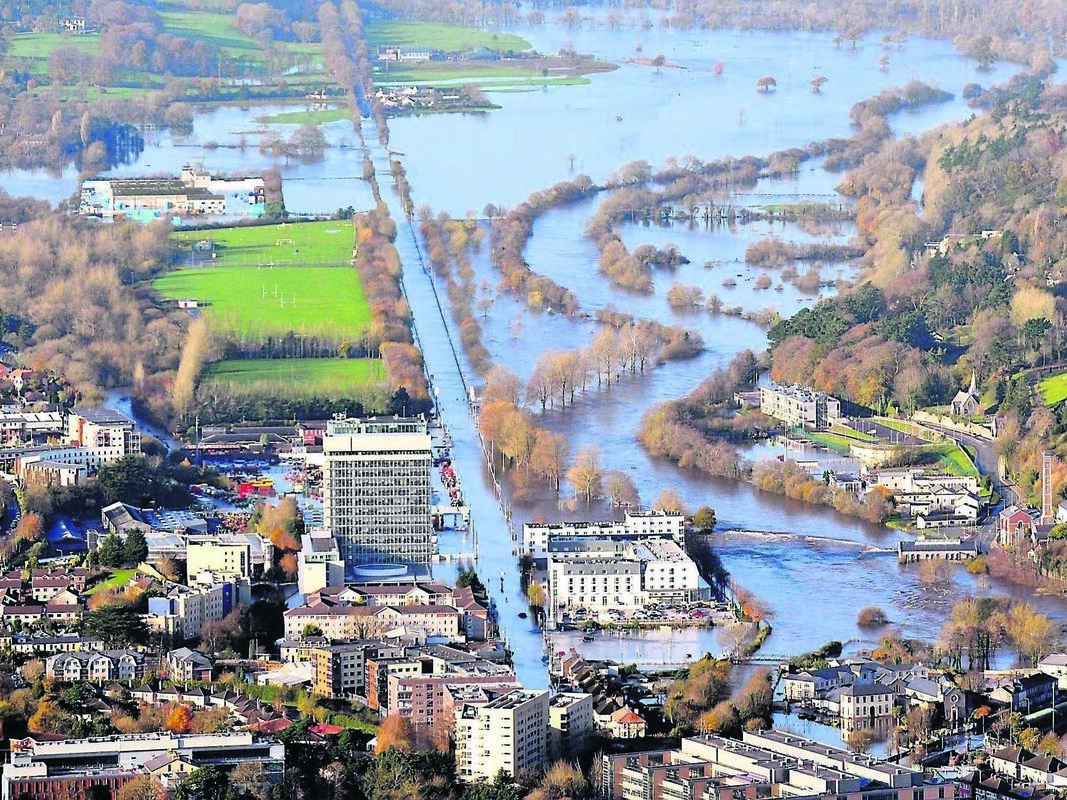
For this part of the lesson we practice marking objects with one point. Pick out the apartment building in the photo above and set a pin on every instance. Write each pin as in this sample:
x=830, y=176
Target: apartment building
x=96, y=666
x=344, y=623
x=106, y=434
x=420, y=697
x=340, y=669
x=570, y=724
x=535, y=535
x=767, y=764
x=509, y=733
x=27, y=427
x=598, y=573
x=222, y=554
x=798, y=406
x=376, y=490
x=68, y=768
x=182, y=612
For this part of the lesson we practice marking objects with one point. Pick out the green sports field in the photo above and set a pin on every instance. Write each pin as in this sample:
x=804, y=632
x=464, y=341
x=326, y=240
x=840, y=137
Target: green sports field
x=302, y=243
x=298, y=378
x=254, y=303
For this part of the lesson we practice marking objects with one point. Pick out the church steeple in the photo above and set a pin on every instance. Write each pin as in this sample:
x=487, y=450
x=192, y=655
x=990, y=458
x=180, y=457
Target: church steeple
x=973, y=390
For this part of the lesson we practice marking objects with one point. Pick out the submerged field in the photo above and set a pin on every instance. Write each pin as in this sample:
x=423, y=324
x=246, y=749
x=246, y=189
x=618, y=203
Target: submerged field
x=299, y=378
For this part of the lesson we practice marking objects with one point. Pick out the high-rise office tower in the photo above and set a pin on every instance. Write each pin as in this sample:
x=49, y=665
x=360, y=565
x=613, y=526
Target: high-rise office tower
x=376, y=490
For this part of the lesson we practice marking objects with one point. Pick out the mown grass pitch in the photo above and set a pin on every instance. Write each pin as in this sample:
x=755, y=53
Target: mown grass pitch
x=252, y=303
x=299, y=378
x=285, y=244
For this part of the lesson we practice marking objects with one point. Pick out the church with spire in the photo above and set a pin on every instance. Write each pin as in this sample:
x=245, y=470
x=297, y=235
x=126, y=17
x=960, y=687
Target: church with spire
x=966, y=404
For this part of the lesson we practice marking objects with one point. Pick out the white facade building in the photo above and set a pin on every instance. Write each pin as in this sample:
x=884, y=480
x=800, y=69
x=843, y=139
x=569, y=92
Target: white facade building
x=599, y=573
x=376, y=490
x=795, y=405
x=105, y=434
x=509, y=733
x=224, y=555
x=570, y=724
x=319, y=562
x=185, y=609
x=535, y=535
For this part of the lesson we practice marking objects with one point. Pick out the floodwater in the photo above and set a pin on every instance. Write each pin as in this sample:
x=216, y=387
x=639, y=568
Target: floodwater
x=226, y=140
x=816, y=578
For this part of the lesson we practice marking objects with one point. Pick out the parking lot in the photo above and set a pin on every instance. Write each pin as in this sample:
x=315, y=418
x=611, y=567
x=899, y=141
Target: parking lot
x=702, y=612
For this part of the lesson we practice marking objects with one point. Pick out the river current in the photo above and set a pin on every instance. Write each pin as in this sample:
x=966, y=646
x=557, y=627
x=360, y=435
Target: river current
x=818, y=571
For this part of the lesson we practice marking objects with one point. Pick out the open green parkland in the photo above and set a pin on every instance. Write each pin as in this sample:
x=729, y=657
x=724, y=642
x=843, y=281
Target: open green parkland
x=265, y=281
x=417, y=35
x=1053, y=389
x=323, y=243
x=299, y=378
x=302, y=62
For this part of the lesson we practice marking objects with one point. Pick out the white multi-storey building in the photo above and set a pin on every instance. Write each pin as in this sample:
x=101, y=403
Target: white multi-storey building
x=183, y=611
x=223, y=554
x=319, y=562
x=107, y=435
x=376, y=490
x=599, y=573
x=509, y=733
x=795, y=405
x=570, y=724
x=535, y=535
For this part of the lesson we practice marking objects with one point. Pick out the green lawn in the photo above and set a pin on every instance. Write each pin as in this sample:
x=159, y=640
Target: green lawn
x=844, y=430
x=1053, y=389
x=306, y=117
x=903, y=426
x=294, y=378
x=254, y=303
x=324, y=243
x=218, y=30
x=119, y=578
x=952, y=458
x=831, y=440
x=432, y=36
x=40, y=45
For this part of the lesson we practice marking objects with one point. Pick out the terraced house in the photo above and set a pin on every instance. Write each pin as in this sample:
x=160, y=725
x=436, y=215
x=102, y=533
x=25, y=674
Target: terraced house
x=96, y=667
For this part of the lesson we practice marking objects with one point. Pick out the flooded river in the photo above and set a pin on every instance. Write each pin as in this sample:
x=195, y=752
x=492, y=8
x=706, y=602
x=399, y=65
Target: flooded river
x=819, y=576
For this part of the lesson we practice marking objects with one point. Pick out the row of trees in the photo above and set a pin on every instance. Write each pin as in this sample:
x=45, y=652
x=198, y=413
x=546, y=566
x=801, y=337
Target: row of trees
x=979, y=627
x=511, y=231
x=449, y=245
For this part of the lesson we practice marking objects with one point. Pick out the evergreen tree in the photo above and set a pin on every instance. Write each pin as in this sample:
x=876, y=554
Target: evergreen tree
x=135, y=548
x=110, y=552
